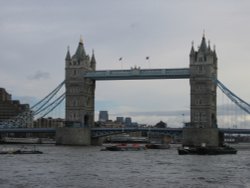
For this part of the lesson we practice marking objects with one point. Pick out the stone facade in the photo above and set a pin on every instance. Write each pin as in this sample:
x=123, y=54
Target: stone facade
x=203, y=69
x=80, y=91
x=73, y=136
x=199, y=136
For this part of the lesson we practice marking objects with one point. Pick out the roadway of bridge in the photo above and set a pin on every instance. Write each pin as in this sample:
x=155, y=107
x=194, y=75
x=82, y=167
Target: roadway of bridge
x=53, y=130
x=139, y=74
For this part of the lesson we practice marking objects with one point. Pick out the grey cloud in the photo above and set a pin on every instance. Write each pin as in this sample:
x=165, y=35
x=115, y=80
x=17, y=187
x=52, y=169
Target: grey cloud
x=39, y=75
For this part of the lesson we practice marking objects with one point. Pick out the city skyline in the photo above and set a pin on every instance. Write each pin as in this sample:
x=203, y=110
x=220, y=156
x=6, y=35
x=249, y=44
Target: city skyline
x=148, y=34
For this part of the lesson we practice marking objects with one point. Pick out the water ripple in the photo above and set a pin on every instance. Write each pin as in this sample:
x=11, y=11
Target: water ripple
x=89, y=167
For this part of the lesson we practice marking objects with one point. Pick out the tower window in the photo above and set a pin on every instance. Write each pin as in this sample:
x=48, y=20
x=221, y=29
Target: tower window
x=198, y=101
x=203, y=117
x=200, y=69
x=196, y=117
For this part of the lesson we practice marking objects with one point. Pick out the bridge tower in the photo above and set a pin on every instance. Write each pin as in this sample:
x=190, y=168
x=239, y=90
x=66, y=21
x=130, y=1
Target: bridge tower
x=203, y=70
x=80, y=91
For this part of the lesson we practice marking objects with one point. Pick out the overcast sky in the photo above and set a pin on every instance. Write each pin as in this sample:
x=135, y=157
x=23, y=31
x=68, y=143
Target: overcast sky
x=34, y=36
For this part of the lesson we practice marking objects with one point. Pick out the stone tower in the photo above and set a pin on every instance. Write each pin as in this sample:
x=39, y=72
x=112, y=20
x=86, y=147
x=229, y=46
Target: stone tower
x=203, y=68
x=203, y=72
x=80, y=91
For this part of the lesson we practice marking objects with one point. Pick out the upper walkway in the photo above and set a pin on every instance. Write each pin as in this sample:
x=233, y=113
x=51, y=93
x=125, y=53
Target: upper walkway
x=139, y=74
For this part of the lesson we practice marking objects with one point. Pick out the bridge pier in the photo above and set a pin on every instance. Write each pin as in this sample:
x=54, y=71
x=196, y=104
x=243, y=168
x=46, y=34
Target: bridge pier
x=73, y=136
x=97, y=141
x=198, y=136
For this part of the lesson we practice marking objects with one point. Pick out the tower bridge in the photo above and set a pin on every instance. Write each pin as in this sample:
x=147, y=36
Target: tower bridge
x=80, y=81
x=81, y=75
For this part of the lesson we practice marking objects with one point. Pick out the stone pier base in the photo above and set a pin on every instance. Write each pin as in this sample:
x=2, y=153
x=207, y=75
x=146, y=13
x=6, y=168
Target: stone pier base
x=73, y=136
x=198, y=136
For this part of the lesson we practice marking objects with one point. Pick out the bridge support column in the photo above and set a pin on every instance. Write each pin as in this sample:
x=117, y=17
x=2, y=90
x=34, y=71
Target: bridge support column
x=198, y=136
x=203, y=126
x=73, y=136
x=97, y=141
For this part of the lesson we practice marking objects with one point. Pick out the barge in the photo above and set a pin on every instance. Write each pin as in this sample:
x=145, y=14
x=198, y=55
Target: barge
x=125, y=143
x=206, y=150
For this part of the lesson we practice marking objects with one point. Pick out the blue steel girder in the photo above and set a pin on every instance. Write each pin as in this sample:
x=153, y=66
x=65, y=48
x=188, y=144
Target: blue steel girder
x=139, y=74
x=101, y=132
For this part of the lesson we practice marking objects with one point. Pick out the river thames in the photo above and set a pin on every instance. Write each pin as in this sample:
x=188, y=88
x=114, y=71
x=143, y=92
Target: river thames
x=80, y=167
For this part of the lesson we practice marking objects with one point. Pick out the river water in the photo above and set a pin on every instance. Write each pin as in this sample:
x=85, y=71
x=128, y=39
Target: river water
x=76, y=167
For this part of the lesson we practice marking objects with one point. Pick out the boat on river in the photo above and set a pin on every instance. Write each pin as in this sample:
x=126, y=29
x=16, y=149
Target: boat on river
x=206, y=150
x=157, y=146
x=14, y=140
x=125, y=142
x=23, y=150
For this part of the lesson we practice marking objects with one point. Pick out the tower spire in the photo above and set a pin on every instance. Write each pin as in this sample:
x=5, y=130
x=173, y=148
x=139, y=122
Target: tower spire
x=68, y=57
x=80, y=51
x=209, y=48
x=203, y=35
x=93, y=61
x=203, y=46
x=81, y=40
x=192, y=49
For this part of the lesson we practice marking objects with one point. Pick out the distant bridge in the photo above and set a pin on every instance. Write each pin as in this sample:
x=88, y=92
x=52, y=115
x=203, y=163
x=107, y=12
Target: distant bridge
x=101, y=132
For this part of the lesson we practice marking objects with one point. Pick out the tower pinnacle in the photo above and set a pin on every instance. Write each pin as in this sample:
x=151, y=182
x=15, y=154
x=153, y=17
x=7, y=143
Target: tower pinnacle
x=68, y=57
x=203, y=46
x=81, y=40
x=80, y=51
x=192, y=52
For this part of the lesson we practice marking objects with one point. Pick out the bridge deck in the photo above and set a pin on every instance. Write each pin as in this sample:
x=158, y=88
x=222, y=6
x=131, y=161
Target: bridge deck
x=96, y=130
x=139, y=74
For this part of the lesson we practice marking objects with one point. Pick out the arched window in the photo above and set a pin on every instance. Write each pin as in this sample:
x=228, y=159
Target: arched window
x=86, y=120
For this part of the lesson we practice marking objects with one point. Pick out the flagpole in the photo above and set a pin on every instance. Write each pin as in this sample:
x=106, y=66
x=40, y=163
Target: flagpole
x=120, y=59
x=147, y=59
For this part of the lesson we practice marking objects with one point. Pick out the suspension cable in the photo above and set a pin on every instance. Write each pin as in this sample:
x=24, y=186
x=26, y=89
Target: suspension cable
x=49, y=105
x=59, y=100
x=52, y=93
x=238, y=101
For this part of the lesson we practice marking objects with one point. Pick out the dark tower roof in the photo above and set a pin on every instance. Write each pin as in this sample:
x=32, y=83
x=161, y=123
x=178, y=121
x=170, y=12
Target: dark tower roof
x=68, y=57
x=203, y=46
x=215, y=55
x=93, y=57
x=208, y=47
x=80, y=52
x=93, y=61
x=192, y=52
